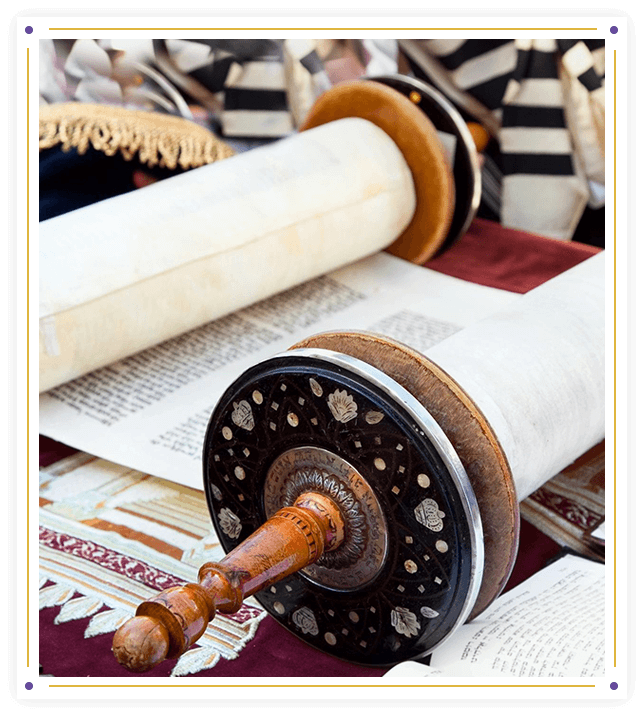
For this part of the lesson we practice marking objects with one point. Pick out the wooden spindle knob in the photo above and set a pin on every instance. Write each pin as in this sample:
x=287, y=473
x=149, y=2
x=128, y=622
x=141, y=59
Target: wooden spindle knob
x=141, y=643
x=164, y=627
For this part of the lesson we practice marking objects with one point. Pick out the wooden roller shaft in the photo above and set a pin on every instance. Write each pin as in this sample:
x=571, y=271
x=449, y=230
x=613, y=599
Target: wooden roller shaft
x=390, y=479
x=167, y=625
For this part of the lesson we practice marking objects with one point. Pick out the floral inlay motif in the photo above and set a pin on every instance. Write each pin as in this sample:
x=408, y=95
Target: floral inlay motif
x=243, y=415
x=429, y=515
x=304, y=620
x=342, y=405
x=373, y=417
x=229, y=523
x=404, y=621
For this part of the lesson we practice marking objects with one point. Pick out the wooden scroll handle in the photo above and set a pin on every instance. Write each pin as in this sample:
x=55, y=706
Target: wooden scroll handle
x=170, y=623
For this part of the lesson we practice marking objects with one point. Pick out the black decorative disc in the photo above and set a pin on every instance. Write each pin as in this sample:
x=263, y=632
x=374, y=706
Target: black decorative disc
x=446, y=118
x=424, y=584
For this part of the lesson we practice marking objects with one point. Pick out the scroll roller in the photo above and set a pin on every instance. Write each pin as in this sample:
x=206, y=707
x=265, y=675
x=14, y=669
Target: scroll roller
x=369, y=172
x=367, y=494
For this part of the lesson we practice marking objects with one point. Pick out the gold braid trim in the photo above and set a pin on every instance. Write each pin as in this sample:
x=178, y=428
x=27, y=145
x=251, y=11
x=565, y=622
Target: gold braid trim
x=158, y=139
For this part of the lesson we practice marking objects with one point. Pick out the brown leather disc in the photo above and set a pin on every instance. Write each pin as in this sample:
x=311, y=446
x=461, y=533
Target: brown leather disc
x=418, y=142
x=467, y=430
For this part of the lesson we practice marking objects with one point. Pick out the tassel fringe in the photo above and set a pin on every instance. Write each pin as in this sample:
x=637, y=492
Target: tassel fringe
x=158, y=139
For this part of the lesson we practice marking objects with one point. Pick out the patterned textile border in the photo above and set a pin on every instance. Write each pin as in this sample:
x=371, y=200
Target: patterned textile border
x=116, y=537
x=570, y=506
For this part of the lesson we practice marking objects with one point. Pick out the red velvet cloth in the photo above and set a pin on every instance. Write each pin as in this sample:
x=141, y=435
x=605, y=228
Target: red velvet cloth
x=488, y=254
x=492, y=255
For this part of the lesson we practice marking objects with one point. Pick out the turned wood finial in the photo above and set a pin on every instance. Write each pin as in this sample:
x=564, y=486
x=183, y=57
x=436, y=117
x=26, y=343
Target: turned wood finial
x=141, y=643
x=167, y=625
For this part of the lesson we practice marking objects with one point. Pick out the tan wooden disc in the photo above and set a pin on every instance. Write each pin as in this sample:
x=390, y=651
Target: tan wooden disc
x=418, y=142
x=467, y=430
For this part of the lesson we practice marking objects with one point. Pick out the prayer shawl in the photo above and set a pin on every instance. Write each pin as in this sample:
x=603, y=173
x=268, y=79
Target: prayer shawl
x=245, y=88
x=541, y=101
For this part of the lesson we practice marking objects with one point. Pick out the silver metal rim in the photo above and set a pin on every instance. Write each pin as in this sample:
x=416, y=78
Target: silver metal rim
x=465, y=135
x=432, y=430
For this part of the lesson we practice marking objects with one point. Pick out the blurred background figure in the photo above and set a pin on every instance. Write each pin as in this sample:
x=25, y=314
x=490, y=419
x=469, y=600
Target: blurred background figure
x=539, y=103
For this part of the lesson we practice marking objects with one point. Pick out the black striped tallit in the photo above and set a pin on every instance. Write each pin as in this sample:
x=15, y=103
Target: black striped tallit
x=533, y=175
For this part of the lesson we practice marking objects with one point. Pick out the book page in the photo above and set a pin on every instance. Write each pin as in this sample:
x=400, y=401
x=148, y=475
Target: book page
x=600, y=532
x=551, y=625
x=150, y=411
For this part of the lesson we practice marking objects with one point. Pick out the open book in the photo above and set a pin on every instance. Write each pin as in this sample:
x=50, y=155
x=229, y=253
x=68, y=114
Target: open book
x=551, y=625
